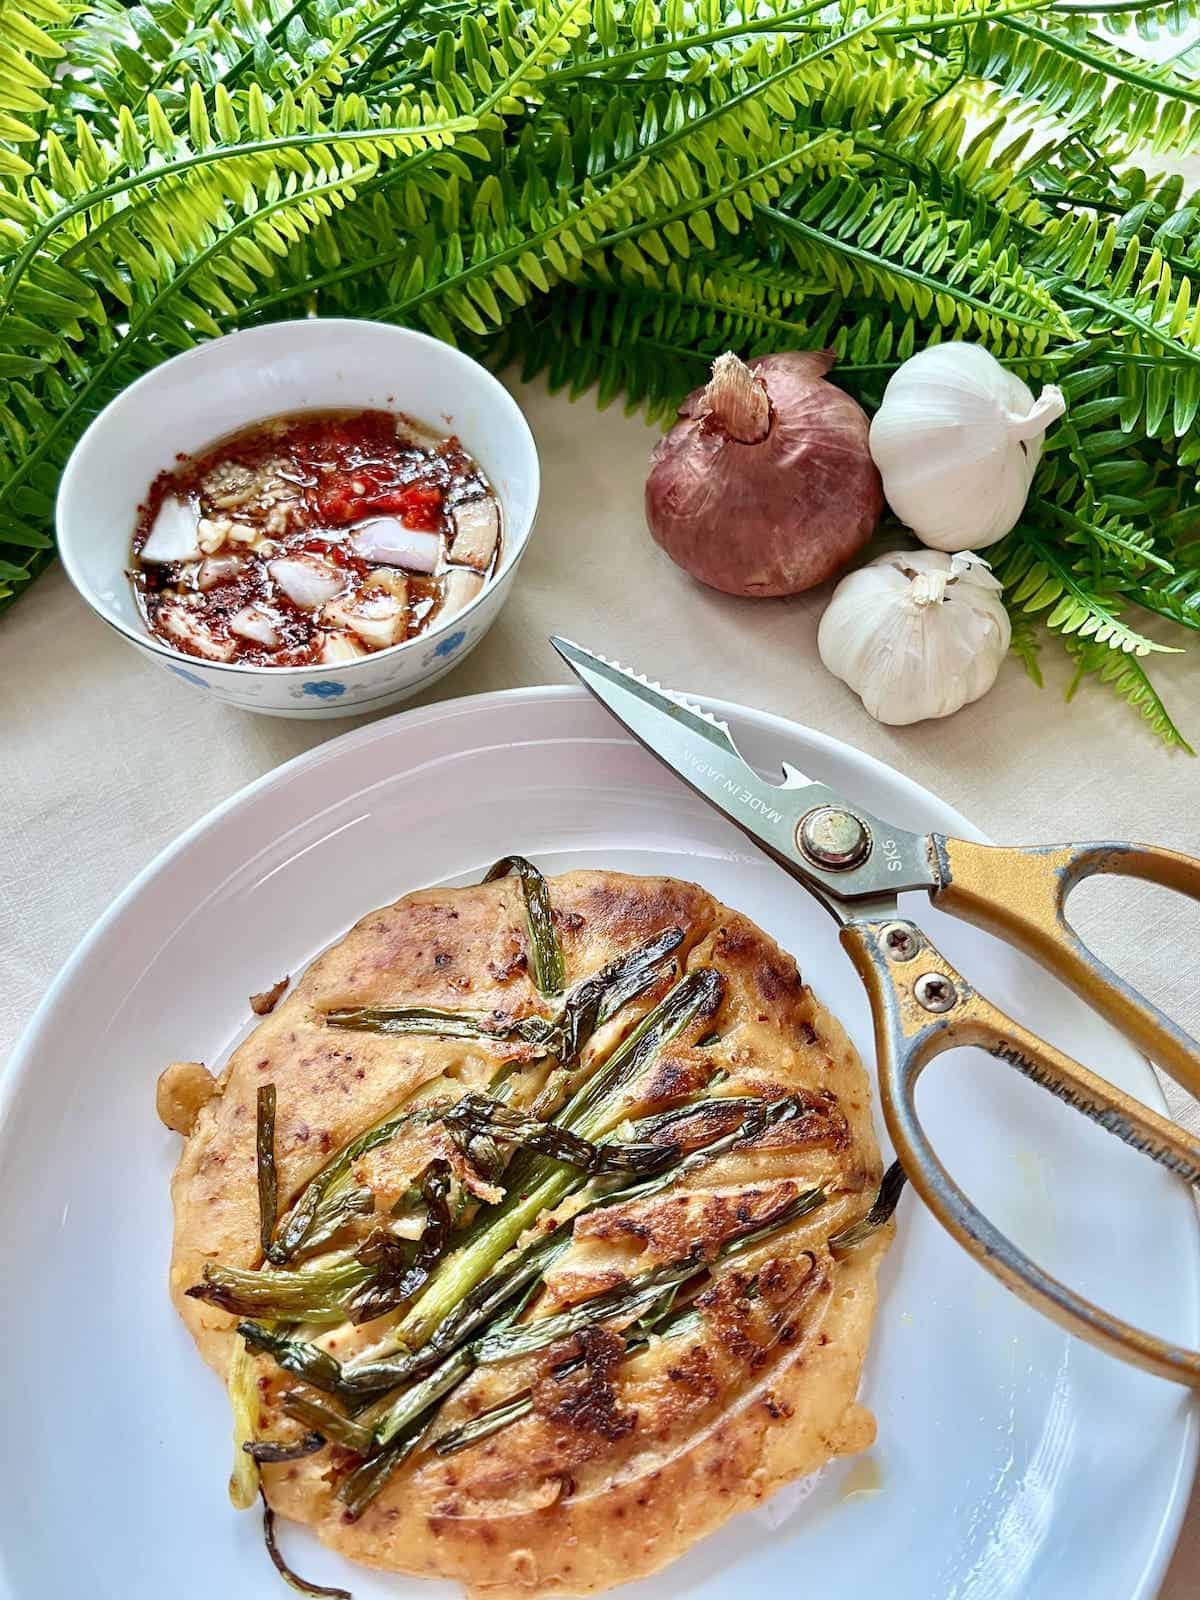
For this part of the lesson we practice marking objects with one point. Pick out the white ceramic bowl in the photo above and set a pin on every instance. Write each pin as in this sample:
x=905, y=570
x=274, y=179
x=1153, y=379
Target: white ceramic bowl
x=318, y=364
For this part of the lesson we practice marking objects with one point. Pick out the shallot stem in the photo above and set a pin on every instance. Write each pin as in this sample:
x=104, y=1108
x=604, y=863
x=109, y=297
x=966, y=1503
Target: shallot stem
x=736, y=398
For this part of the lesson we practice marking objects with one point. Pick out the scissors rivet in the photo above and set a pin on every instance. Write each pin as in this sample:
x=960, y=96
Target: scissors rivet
x=833, y=838
x=900, y=941
x=934, y=992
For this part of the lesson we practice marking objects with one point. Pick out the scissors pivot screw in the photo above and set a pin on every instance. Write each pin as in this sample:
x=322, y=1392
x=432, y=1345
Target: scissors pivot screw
x=833, y=838
x=900, y=942
x=934, y=992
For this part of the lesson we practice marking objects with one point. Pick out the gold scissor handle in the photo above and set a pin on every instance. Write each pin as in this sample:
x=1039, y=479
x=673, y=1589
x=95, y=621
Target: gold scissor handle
x=1021, y=895
x=923, y=1006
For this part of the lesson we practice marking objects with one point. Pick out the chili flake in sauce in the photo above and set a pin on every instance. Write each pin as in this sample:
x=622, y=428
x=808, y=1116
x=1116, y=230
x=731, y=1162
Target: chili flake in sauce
x=315, y=538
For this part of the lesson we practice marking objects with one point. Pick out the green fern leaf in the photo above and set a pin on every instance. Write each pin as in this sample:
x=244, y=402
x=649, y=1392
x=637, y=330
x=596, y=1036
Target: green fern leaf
x=1126, y=676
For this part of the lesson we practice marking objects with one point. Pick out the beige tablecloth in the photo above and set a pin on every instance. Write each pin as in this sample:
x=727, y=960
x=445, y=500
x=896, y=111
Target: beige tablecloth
x=104, y=759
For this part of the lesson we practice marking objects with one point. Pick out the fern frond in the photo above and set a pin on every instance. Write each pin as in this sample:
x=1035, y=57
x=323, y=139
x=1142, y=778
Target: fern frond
x=566, y=343
x=652, y=345
x=1125, y=676
x=29, y=57
x=1038, y=579
x=1088, y=84
x=1176, y=597
x=1167, y=19
x=1026, y=646
x=876, y=239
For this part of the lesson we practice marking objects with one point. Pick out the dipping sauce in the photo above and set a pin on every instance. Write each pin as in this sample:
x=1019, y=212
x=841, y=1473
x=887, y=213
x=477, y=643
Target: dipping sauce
x=320, y=537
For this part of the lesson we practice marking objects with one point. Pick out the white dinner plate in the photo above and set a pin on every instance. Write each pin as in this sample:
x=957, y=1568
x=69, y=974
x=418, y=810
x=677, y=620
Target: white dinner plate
x=1011, y=1460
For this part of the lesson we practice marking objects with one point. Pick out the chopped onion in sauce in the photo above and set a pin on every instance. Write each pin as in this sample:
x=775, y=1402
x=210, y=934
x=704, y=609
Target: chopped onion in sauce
x=258, y=622
x=174, y=536
x=376, y=617
x=218, y=569
x=307, y=581
x=193, y=631
x=387, y=539
x=389, y=579
x=338, y=648
x=461, y=587
x=476, y=530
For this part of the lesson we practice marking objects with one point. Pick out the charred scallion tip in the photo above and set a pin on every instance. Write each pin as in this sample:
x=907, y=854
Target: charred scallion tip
x=549, y=972
x=475, y=1115
x=390, y=1264
x=702, y=1111
x=697, y=995
x=329, y=1421
x=399, y=1273
x=435, y=1192
x=429, y=1020
x=267, y=1451
x=482, y=1427
x=364, y=1381
x=880, y=1214
x=639, y=1297
x=311, y=1213
x=488, y=1156
x=601, y=996
x=359, y=1488
x=302, y=1360
x=332, y=1215
x=310, y=1294
x=692, y=999
x=268, y=1183
x=293, y=1579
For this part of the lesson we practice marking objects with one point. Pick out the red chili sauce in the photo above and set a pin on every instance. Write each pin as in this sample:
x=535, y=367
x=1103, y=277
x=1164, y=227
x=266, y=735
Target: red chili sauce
x=314, y=538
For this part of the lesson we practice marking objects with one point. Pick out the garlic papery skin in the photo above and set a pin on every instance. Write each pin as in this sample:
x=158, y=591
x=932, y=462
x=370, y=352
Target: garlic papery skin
x=916, y=633
x=957, y=439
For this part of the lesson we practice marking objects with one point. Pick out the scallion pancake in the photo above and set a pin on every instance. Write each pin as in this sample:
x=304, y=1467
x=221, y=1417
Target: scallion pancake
x=606, y=1452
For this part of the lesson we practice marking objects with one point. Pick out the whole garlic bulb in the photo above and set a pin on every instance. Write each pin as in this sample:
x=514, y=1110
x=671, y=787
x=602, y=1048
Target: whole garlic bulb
x=957, y=440
x=916, y=633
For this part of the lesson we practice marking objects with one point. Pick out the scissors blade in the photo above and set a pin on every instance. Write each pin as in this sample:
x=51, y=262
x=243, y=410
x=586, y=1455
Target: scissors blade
x=699, y=748
x=641, y=704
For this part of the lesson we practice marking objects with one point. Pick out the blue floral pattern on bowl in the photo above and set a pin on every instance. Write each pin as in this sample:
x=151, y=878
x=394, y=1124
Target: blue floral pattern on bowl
x=447, y=646
x=324, y=689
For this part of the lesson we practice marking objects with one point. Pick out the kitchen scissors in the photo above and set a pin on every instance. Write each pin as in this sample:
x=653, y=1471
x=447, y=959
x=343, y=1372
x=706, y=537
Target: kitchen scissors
x=857, y=864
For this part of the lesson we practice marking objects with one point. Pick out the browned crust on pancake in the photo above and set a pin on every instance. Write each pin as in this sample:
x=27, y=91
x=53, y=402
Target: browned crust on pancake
x=621, y=1465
